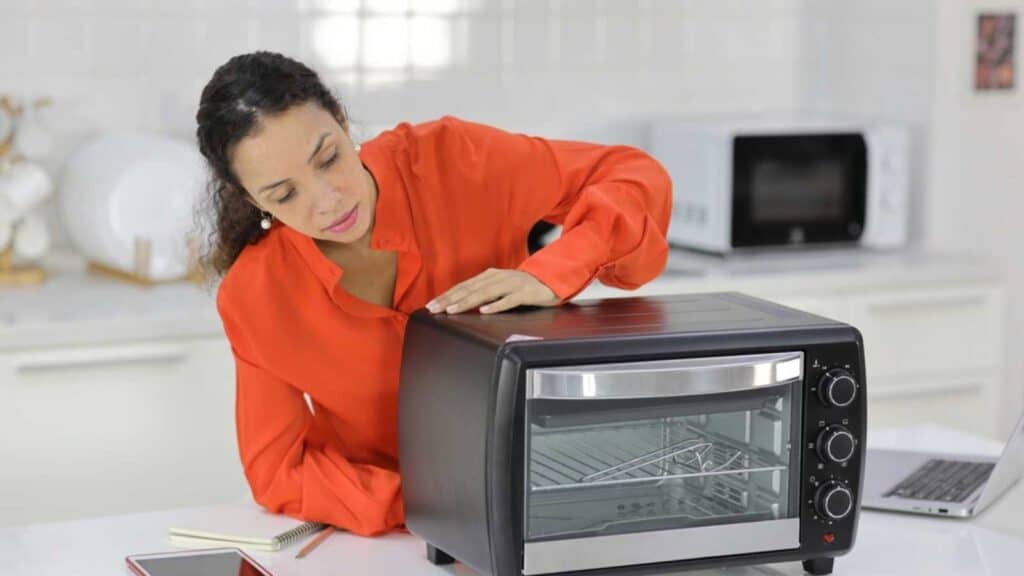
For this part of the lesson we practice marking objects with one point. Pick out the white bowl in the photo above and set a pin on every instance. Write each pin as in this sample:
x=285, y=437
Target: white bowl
x=25, y=185
x=31, y=238
x=118, y=188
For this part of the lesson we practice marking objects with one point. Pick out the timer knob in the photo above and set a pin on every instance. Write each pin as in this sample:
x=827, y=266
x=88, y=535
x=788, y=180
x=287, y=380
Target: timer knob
x=833, y=500
x=837, y=388
x=836, y=444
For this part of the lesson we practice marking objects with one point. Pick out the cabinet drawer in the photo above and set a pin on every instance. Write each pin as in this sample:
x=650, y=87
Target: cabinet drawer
x=930, y=332
x=966, y=402
x=114, y=429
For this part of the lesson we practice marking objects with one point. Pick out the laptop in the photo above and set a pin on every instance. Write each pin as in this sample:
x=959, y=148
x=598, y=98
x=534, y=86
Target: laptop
x=941, y=484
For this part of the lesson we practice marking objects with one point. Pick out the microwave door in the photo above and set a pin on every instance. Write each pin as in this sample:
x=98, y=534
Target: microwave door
x=797, y=189
x=625, y=454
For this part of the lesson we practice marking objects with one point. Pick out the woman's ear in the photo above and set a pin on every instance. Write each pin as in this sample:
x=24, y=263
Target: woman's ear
x=253, y=202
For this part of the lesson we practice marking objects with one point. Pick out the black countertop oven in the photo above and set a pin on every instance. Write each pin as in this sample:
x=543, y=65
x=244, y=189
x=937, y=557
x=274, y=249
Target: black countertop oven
x=632, y=436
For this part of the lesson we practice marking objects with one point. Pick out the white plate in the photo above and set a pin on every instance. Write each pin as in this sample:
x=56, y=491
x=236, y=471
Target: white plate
x=120, y=187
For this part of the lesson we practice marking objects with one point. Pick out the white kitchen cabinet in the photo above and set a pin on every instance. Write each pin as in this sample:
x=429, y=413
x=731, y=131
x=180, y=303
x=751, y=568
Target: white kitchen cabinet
x=966, y=402
x=933, y=354
x=933, y=331
x=115, y=428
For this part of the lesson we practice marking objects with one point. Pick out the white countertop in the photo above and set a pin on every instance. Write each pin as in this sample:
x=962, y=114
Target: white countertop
x=808, y=270
x=76, y=307
x=887, y=544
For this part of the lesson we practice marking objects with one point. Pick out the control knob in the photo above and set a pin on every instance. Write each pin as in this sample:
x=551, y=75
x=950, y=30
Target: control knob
x=836, y=444
x=837, y=387
x=833, y=500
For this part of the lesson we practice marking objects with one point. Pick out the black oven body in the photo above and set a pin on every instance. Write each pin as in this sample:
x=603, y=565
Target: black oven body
x=462, y=427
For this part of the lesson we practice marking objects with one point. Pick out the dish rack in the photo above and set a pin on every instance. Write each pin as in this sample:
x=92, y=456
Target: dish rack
x=594, y=479
x=8, y=107
x=11, y=275
x=139, y=273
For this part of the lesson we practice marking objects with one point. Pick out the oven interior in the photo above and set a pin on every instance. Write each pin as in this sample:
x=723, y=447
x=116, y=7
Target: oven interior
x=694, y=468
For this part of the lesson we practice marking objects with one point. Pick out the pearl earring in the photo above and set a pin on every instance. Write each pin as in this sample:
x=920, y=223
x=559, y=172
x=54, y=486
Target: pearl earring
x=265, y=222
x=357, y=147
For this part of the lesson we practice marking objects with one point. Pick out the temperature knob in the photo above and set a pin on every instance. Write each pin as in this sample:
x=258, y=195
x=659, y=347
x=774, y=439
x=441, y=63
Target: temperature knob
x=837, y=388
x=833, y=500
x=836, y=444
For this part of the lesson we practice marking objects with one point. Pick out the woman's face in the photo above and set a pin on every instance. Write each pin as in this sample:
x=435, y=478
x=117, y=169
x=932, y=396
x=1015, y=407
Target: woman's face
x=301, y=167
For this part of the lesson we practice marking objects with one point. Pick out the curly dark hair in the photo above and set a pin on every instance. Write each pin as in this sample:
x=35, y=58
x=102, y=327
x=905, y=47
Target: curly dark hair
x=241, y=91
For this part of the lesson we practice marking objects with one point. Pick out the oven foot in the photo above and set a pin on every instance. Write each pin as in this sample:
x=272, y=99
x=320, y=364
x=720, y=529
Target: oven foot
x=818, y=566
x=438, y=556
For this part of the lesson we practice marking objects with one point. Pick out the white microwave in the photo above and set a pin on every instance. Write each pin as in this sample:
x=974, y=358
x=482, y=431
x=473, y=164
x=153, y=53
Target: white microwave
x=756, y=184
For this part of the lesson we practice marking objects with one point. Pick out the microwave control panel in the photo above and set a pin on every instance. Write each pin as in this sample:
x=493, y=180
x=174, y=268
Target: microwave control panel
x=834, y=424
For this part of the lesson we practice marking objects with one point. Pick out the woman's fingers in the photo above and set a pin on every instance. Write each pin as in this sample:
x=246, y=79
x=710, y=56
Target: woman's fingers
x=460, y=291
x=507, y=303
x=500, y=289
x=483, y=294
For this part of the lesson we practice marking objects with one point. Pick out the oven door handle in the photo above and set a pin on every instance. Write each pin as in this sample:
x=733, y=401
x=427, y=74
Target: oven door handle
x=666, y=378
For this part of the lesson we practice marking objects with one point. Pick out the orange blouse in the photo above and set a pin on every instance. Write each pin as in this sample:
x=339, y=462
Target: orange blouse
x=454, y=198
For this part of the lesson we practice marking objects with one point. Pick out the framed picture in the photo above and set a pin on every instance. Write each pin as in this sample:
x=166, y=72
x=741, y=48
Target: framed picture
x=994, y=67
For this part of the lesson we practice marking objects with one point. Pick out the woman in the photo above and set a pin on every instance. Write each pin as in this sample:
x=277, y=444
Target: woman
x=325, y=247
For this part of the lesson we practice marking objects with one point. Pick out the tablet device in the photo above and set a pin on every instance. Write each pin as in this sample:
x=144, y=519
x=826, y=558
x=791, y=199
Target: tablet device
x=212, y=562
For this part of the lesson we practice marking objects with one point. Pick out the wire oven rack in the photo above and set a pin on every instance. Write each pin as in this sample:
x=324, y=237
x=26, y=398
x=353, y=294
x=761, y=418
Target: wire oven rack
x=622, y=455
x=596, y=480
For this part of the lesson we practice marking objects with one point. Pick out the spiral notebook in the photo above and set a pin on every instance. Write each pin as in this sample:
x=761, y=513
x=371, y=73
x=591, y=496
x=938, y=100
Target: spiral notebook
x=241, y=525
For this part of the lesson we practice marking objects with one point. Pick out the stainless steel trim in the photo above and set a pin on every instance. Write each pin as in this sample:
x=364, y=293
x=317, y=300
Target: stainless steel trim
x=660, y=546
x=665, y=378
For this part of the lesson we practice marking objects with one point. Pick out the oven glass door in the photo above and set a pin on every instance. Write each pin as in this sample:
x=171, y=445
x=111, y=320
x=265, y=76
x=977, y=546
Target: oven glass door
x=792, y=189
x=663, y=460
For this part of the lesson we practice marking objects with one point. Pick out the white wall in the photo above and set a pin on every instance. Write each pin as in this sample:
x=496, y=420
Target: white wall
x=141, y=64
x=913, y=61
x=977, y=170
x=874, y=58
x=556, y=67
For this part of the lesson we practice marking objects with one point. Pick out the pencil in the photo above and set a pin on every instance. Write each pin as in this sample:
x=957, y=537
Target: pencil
x=315, y=541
